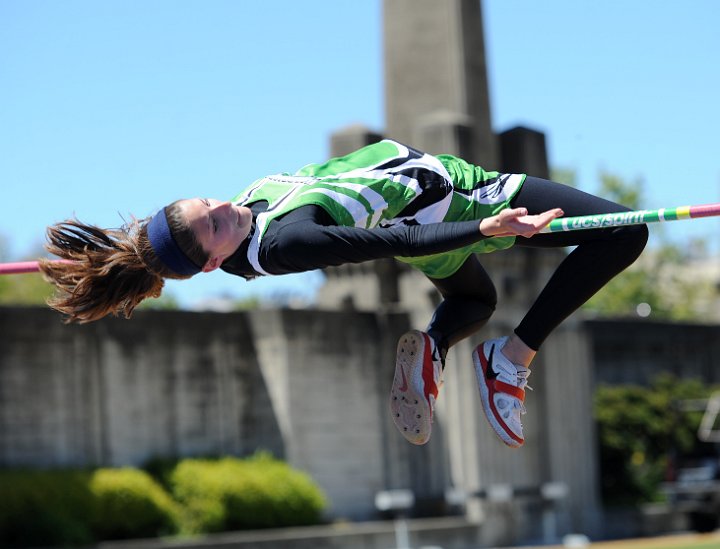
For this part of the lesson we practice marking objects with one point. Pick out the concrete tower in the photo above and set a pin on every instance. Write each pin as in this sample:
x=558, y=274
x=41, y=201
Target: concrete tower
x=436, y=86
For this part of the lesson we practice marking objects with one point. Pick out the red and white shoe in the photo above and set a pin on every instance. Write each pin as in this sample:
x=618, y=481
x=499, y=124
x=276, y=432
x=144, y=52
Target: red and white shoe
x=502, y=390
x=417, y=381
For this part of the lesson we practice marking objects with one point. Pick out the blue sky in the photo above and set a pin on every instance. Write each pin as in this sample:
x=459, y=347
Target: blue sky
x=118, y=107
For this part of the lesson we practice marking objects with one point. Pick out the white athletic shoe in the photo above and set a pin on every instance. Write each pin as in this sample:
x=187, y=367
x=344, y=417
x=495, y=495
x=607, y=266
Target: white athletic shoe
x=417, y=381
x=502, y=390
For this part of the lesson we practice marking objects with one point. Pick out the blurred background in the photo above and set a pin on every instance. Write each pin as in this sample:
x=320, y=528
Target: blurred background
x=221, y=388
x=115, y=109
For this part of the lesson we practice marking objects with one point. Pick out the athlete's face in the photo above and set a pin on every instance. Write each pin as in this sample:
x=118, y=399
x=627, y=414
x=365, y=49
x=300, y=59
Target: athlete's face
x=219, y=227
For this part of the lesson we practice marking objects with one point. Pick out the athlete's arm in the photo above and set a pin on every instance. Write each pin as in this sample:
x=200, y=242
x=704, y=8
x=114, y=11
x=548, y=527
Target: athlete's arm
x=303, y=245
x=307, y=238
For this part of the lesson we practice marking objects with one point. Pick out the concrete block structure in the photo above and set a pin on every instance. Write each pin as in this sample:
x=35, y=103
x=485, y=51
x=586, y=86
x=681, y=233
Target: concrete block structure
x=435, y=76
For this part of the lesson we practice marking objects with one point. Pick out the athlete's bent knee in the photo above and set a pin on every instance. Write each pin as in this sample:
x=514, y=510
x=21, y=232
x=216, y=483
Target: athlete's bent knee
x=632, y=240
x=639, y=237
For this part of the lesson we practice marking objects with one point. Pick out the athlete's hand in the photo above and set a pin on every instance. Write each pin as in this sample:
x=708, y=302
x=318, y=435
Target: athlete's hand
x=517, y=222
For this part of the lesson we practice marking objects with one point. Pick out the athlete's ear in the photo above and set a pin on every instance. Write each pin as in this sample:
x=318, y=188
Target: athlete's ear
x=212, y=263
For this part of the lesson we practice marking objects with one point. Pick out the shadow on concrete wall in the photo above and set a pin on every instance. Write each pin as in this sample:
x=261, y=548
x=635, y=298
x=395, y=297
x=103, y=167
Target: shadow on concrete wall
x=114, y=392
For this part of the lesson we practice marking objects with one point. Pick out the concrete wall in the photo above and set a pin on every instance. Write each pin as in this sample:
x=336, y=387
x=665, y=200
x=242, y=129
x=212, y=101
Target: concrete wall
x=305, y=386
x=310, y=386
x=117, y=392
x=445, y=533
x=636, y=351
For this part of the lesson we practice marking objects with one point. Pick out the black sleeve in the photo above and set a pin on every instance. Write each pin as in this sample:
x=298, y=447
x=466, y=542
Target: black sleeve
x=303, y=244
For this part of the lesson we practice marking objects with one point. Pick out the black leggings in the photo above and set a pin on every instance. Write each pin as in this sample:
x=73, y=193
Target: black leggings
x=469, y=296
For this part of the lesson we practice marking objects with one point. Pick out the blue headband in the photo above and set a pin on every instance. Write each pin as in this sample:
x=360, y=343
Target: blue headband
x=165, y=247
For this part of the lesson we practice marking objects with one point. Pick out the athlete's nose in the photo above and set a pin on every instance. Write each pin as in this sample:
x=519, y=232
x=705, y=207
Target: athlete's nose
x=223, y=206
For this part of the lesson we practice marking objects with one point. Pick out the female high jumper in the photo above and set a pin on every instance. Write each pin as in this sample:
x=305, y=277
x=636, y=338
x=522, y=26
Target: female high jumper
x=384, y=200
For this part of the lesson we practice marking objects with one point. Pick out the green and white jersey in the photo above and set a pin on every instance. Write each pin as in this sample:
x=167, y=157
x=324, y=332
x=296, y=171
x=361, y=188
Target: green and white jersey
x=386, y=184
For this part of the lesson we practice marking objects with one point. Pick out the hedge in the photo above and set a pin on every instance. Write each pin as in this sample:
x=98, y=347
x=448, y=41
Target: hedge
x=259, y=492
x=45, y=508
x=70, y=507
x=130, y=504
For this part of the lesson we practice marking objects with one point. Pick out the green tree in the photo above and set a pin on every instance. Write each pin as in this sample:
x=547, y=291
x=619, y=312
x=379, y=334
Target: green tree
x=567, y=176
x=166, y=302
x=639, y=429
x=24, y=289
x=656, y=282
x=615, y=188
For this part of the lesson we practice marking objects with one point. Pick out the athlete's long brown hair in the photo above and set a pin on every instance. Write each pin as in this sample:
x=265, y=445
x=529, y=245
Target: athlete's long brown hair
x=110, y=271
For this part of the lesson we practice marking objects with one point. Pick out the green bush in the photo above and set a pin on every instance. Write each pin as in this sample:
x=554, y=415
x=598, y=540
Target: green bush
x=130, y=504
x=639, y=428
x=42, y=508
x=229, y=494
x=65, y=507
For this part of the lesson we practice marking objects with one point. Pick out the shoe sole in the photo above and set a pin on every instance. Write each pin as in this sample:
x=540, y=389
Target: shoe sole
x=411, y=410
x=480, y=371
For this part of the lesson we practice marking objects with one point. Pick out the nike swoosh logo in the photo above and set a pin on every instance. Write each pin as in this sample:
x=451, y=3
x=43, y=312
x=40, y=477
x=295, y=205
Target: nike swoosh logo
x=404, y=386
x=489, y=372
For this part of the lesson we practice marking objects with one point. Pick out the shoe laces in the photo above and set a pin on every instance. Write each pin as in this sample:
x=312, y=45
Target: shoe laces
x=522, y=376
x=514, y=374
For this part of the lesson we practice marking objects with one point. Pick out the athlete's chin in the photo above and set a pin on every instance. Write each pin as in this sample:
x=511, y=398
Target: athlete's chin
x=244, y=224
x=244, y=216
